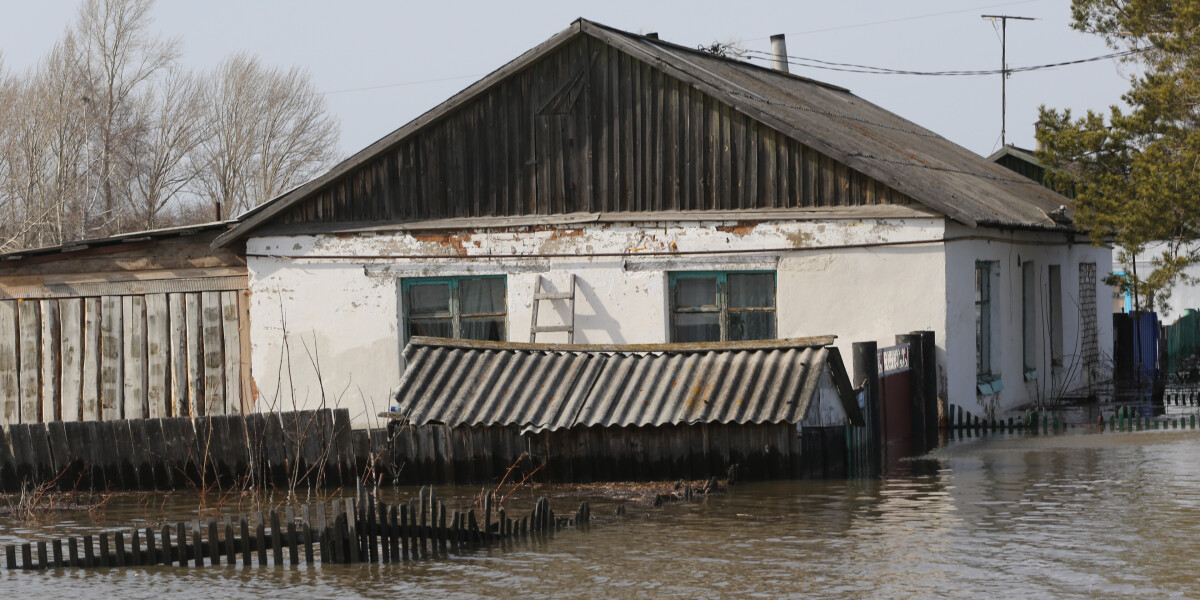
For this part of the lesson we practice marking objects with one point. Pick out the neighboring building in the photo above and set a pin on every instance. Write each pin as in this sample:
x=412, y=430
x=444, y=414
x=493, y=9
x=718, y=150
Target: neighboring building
x=689, y=197
x=141, y=325
x=1184, y=296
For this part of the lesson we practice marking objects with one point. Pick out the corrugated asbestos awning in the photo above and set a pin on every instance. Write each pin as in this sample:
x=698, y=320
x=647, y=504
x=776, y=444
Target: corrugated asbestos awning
x=545, y=386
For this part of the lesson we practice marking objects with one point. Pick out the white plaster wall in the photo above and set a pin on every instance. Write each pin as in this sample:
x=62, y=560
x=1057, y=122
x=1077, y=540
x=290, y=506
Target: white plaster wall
x=342, y=316
x=1009, y=250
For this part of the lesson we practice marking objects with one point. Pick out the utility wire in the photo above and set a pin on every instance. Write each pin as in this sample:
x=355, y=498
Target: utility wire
x=900, y=19
x=813, y=63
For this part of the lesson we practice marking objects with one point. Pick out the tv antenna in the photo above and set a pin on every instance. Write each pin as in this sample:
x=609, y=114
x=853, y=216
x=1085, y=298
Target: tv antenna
x=1004, y=69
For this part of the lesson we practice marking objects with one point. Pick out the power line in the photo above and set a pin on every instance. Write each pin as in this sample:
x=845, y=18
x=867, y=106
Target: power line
x=901, y=19
x=814, y=63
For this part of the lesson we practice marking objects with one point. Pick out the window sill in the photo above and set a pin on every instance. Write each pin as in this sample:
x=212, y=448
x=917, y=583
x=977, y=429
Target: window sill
x=1031, y=374
x=987, y=385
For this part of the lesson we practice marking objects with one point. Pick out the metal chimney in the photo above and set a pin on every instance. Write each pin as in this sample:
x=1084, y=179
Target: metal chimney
x=779, y=60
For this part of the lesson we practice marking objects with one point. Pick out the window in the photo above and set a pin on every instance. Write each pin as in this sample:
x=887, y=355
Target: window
x=1056, y=316
x=718, y=307
x=983, y=319
x=1029, y=329
x=471, y=308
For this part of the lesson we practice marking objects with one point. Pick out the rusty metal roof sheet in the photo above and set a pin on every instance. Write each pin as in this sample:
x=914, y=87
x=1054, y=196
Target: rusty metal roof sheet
x=544, y=386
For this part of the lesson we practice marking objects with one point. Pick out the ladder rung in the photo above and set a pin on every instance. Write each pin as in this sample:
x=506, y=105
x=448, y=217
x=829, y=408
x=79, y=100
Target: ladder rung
x=554, y=296
x=552, y=328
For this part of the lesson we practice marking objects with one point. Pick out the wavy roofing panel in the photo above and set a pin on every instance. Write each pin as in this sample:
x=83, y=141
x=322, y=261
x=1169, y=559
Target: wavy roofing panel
x=478, y=384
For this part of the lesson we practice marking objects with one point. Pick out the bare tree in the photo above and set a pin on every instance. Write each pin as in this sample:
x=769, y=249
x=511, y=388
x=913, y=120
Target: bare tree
x=158, y=162
x=108, y=134
x=270, y=130
x=118, y=56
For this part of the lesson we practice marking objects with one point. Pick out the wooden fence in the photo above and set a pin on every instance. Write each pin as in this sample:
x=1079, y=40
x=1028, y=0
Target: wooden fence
x=103, y=358
x=438, y=454
x=349, y=531
x=290, y=449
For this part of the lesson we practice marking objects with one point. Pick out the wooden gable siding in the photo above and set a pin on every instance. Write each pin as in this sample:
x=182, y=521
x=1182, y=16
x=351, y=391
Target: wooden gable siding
x=589, y=129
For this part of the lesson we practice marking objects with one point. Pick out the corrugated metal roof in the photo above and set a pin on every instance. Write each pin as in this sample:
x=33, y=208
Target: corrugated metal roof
x=544, y=386
x=882, y=145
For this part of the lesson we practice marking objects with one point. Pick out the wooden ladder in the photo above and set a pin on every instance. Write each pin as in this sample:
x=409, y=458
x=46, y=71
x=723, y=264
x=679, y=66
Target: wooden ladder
x=538, y=297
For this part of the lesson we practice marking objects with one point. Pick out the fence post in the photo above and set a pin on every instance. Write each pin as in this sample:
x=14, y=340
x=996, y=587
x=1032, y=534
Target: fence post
x=916, y=386
x=866, y=372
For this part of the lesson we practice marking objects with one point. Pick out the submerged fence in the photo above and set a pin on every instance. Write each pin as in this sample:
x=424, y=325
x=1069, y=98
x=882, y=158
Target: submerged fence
x=345, y=531
x=290, y=449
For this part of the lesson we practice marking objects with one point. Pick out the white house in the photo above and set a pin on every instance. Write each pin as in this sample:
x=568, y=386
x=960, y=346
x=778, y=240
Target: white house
x=689, y=197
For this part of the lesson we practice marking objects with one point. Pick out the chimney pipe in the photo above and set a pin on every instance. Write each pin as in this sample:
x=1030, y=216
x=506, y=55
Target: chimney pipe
x=779, y=60
x=1037, y=128
x=654, y=35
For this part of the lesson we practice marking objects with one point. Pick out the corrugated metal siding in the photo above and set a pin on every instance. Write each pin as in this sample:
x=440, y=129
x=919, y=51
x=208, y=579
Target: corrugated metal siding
x=464, y=386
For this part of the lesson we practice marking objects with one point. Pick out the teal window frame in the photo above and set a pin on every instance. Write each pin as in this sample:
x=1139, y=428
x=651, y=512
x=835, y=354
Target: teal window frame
x=722, y=300
x=454, y=312
x=983, y=320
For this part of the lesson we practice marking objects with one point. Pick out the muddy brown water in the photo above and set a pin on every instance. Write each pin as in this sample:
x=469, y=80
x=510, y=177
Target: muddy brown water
x=1080, y=515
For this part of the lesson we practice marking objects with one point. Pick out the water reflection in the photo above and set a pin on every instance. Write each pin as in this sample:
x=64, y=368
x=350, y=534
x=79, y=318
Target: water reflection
x=1066, y=516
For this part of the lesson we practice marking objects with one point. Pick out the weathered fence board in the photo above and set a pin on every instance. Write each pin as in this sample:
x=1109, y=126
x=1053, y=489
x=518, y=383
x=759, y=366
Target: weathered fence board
x=111, y=362
x=133, y=316
x=158, y=344
x=194, y=329
x=71, y=349
x=91, y=360
x=30, y=364
x=10, y=389
x=51, y=360
x=214, y=364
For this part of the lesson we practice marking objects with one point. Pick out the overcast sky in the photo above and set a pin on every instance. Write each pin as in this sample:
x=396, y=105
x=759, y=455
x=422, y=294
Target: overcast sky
x=384, y=63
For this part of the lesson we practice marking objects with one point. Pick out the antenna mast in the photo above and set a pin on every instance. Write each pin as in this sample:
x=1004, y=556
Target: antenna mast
x=1004, y=70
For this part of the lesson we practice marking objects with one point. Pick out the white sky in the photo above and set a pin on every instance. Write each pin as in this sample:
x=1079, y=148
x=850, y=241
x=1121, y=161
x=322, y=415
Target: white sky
x=352, y=44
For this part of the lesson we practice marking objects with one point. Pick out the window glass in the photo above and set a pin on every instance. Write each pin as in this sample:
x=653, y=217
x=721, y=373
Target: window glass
x=695, y=291
x=455, y=307
x=757, y=325
x=489, y=328
x=723, y=306
x=698, y=327
x=751, y=290
x=429, y=299
x=443, y=328
x=482, y=296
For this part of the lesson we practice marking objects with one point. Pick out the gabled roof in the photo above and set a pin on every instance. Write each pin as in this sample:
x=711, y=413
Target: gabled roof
x=880, y=144
x=545, y=386
x=1018, y=153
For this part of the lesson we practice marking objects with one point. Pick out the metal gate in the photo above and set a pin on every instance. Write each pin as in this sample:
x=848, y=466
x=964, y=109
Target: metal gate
x=895, y=397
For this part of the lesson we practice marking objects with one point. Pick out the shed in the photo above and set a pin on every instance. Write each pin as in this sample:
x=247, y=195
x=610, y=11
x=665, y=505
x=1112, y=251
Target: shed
x=775, y=408
x=141, y=325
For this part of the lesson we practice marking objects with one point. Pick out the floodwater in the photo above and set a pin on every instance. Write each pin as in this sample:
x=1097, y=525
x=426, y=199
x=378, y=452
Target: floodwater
x=1079, y=515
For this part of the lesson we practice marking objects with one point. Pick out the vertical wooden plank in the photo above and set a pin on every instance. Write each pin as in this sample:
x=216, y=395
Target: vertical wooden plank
x=30, y=349
x=51, y=361
x=71, y=353
x=10, y=387
x=194, y=329
x=214, y=362
x=133, y=311
x=230, y=316
x=111, y=361
x=177, y=353
x=91, y=360
x=158, y=357
x=246, y=386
